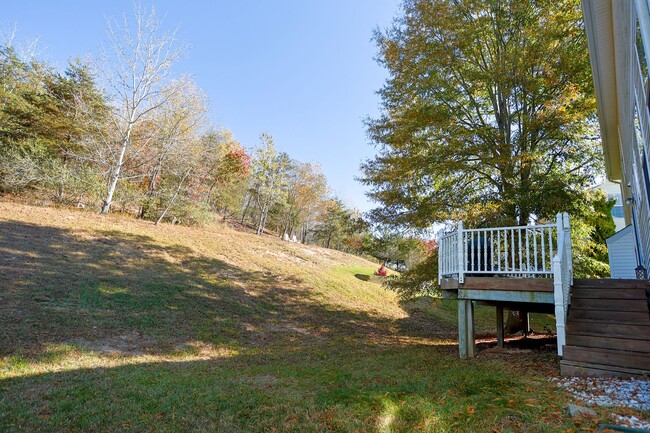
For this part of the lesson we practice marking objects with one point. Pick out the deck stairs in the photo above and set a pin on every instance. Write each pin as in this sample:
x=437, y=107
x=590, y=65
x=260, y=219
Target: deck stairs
x=607, y=329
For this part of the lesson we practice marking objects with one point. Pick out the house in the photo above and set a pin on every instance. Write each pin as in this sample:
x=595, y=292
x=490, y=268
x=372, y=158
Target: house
x=603, y=325
x=618, y=33
x=622, y=245
x=622, y=254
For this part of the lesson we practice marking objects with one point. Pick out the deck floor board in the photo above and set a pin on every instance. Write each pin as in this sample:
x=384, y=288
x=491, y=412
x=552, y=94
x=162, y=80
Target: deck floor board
x=509, y=284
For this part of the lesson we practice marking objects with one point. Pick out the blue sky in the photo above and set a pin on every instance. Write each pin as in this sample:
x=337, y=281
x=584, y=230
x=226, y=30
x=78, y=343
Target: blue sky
x=301, y=70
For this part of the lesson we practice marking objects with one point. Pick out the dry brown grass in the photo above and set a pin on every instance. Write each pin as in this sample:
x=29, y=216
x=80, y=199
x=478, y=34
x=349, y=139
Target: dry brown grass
x=113, y=324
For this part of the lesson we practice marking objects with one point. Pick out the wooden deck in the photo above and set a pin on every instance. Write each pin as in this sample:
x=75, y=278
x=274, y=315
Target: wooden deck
x=521, y=294
x=523, y=268
x=504, y=290
x=608, y=330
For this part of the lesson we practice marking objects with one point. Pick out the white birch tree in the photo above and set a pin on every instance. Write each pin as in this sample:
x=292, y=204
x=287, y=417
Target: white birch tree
x=135, y=76
x=268, y=178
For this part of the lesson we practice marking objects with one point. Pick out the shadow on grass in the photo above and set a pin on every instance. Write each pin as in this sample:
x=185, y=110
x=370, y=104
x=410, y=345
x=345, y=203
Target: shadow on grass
x=293, y=362
x=126, y=293
x=326, y=387
x=362, y=277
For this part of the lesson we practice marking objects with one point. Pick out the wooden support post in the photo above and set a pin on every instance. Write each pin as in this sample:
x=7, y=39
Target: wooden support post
x=462, y=329
x=466, y=342
x=471, y=342
x=500, y=326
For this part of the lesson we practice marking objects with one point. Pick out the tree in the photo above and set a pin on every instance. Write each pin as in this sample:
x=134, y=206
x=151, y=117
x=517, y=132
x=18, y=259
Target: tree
x=402, y=251
x=331, y=224
x=42, y=118
x=136, y=76
x=227, y=166
x=589, y=232
x=306, y=188
x=419, y=280
x=268, y=178
x=488, y=113
x=339, y=227
x=170, y=137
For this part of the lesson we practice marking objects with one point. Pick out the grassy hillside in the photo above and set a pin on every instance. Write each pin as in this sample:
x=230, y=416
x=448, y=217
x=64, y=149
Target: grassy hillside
x=112, y=324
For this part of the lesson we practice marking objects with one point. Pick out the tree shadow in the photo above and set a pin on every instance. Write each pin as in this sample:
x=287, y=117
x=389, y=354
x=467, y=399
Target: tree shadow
x=351, y=387
x=128, y=293
x=123, y=299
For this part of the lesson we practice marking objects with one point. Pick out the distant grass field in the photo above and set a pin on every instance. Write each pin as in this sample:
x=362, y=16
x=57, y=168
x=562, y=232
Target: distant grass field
x=110, y=324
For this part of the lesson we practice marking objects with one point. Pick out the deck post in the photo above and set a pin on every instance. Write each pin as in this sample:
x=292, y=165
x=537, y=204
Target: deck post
x=569, y=246
x=500, y=326
x=466, y=341
x=462, y=259
x=560, y=308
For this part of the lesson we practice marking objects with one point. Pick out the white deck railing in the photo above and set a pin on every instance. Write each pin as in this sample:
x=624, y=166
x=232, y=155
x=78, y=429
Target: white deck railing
x=535, y=251
x=563, y=278
x=520, y=252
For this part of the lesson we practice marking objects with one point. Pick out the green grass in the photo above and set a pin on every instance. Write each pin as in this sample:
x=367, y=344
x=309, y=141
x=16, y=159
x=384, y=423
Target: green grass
x=114, y=325
x=330, y=386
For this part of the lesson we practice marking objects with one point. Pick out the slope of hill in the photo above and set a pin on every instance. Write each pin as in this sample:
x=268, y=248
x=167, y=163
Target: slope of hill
x=113, y=324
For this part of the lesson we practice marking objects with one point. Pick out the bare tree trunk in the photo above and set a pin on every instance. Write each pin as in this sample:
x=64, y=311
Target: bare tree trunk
x=245, y=211
x=106, y=205
x=260, y=228
x=209, y=194
x=264, y=212
x=171, y=202
x=151, y=190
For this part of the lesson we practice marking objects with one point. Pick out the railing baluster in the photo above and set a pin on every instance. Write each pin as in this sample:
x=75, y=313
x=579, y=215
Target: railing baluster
x=550, y=245
x=470, y=257
x=512, y=241
x=460, y=252
x=447, y=252
x=505, y=240
x=453, y=251
x=521, y=253
x=477, y=248
x=443, y=253
x=543, y=250
x=499, y=244
x=451, y=248
x=535, y=249
x=491, y=250
x=448, y=265
x=527, y=250
x=485, y=246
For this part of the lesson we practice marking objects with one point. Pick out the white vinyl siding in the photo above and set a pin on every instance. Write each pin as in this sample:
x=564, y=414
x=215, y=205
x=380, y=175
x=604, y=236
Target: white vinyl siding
x=622, y=257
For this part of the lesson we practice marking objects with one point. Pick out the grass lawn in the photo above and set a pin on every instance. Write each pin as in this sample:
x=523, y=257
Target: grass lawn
x=111, y=324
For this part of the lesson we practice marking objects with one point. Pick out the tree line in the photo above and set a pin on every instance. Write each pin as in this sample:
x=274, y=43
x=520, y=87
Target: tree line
x=122, y=133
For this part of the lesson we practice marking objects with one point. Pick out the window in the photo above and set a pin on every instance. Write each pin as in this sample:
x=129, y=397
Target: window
x=618, y=212
x=643, y=62
x=617, y=197
x=642, y=150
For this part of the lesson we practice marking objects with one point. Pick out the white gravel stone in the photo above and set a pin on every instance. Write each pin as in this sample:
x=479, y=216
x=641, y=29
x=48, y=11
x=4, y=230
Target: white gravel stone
x=612, y=392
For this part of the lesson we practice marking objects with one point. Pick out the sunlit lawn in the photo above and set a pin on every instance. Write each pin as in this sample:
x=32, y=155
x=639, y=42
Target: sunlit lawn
x=116, y=325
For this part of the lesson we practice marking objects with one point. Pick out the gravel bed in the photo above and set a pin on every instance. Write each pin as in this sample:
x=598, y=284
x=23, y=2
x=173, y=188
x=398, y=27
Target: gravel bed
x=612, y=392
